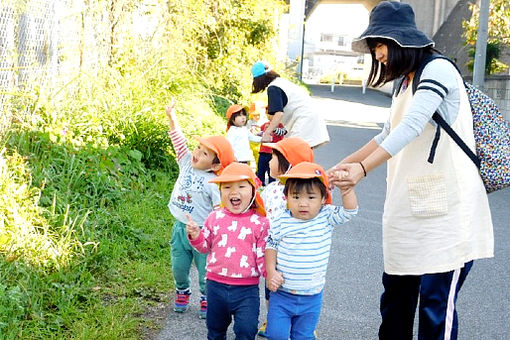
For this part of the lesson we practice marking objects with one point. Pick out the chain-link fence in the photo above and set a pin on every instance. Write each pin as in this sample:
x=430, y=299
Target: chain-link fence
x=46, y=44
x=27, y=50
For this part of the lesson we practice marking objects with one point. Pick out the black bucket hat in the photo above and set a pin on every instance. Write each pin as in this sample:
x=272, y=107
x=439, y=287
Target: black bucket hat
x=394, y=21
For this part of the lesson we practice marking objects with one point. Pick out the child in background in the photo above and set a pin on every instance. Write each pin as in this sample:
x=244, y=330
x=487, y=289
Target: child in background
x=238, y=134
x=235, y=238
x=298, y=248
x=265, y=152
x=256, y=119
x=193, y=195
x=287, y=153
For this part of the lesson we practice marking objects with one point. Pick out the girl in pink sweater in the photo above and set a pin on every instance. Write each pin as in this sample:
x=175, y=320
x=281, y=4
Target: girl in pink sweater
x=235, y=237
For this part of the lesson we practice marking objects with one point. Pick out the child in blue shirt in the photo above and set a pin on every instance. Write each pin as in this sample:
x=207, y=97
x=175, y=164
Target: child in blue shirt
x=297, y=251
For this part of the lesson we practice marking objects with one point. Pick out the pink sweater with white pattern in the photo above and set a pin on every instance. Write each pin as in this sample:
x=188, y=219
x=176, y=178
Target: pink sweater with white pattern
x=236, y=245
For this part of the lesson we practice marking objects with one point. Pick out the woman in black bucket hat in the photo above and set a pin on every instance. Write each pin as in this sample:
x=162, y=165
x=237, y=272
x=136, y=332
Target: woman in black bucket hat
x=436, y=217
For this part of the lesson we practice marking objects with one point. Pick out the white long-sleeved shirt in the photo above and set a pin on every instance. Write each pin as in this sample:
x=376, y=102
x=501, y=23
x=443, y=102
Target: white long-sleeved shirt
x=192, y=193
x=240, y=137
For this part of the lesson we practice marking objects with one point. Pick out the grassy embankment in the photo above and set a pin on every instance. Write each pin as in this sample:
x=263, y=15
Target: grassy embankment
x=86, y=170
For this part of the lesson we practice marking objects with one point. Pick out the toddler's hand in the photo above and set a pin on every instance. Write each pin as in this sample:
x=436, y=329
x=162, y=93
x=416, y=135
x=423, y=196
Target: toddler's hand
x=346, y=190
x=336, y=176
x=274, y=281
x=341, y=174
x=192, y=228
x=170, y=109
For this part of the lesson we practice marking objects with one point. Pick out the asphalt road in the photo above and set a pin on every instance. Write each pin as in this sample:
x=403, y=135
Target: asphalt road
x=353, y=287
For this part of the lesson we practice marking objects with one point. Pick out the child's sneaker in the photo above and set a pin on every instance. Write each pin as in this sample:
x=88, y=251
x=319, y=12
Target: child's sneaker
x=181, y=303
x=262, y=330
x=203, y=307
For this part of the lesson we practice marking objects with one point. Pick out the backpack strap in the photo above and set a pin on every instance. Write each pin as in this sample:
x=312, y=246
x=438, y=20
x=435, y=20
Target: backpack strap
x=442, y=123
x=400, y=82
x=436, y=117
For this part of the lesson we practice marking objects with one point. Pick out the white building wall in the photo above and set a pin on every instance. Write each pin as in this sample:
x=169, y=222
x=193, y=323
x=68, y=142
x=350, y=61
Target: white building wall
x=295, y=28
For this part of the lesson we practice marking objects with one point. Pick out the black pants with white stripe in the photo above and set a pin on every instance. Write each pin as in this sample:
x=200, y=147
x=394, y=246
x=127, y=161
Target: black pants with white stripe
x=437, y=296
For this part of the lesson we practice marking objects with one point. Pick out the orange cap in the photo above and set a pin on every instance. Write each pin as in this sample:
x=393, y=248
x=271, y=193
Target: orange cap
x=294, y=149
x=233, y=109
x=221, y=146
x=239, y=172
x=308, y=170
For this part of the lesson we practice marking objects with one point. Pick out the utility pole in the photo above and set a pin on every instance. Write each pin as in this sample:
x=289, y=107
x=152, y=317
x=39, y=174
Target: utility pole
x=296, y=30
x=302, y=51
x=481, y=45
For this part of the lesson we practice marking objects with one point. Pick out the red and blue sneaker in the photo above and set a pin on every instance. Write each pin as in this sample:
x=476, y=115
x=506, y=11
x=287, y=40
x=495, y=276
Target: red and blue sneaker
x=181, y=303
x=203, y=307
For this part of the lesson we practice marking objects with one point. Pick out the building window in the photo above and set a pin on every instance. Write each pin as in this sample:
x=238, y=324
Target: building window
x=326, y=38
x=341, y=41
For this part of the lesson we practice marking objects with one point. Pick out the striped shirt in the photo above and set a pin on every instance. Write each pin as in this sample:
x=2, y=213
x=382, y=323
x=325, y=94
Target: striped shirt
x=303, y=247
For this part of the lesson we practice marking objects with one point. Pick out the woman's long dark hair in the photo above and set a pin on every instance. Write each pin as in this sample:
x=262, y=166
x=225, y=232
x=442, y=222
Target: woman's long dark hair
x=261, y=82
x=400, y=61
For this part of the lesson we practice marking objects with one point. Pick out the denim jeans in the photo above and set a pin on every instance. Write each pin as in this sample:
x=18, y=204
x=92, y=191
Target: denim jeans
x=225, y=301
x=294, y=316
x=263, y=168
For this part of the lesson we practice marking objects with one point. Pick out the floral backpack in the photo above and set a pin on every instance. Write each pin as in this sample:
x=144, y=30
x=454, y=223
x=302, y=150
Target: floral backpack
x=491, y=132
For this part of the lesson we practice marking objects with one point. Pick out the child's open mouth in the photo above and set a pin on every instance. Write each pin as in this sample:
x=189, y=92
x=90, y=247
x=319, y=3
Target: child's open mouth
x=236, y=202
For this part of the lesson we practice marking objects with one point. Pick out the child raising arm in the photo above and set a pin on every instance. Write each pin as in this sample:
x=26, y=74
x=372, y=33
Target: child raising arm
x=193, y=195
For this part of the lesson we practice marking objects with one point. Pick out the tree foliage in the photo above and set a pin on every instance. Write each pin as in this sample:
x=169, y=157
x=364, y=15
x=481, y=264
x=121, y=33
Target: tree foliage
x=498, y=33
x=217, y=41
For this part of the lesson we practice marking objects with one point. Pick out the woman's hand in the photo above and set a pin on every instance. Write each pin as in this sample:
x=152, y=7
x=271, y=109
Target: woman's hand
x=346, y=175
x=192, y=228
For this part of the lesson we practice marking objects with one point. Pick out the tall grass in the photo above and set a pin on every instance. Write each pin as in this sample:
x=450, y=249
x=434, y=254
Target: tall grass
x=85, y=180
x=26, y=229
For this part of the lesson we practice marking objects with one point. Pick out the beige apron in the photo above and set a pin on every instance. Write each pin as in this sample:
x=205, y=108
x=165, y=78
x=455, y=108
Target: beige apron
x=436, y=216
